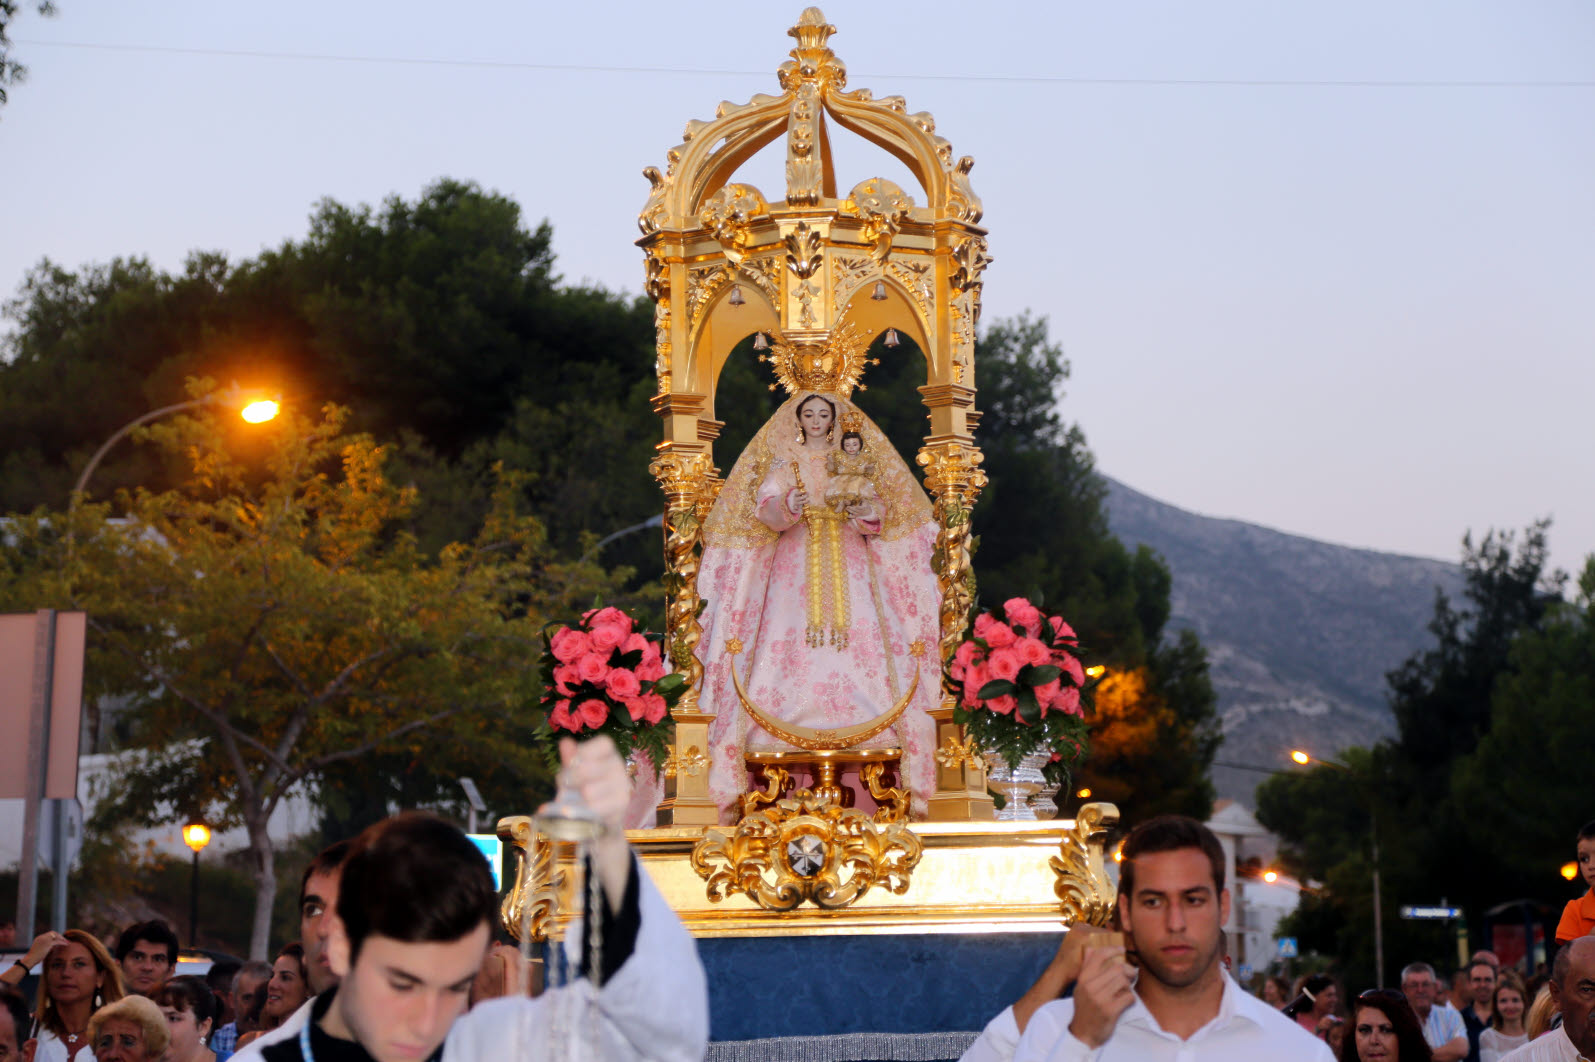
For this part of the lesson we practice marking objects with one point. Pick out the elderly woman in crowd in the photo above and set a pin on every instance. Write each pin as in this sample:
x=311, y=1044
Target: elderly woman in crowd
x=79, y=978
x=1384, y=1029
x=190, y=1012
x=129, y=1030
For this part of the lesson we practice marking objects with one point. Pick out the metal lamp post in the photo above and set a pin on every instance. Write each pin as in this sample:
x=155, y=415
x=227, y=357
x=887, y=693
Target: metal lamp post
x=196, y=835
x=257, y=411
x=1306, y=759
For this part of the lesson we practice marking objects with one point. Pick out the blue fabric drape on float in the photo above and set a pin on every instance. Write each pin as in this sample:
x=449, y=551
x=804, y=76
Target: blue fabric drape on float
x=903, y=998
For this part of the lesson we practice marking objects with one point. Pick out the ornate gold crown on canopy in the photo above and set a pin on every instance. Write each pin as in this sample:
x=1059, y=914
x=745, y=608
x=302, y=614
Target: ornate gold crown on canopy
x=832, y=368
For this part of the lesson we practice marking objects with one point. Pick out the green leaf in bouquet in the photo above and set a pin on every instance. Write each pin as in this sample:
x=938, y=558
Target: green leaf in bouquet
x=1040, y=674
x=995, y=688
x=628, y=661
x=1029, y=707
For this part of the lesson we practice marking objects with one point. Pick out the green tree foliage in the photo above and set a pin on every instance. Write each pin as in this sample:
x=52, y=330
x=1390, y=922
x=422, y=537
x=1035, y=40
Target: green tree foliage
x=1468, y=799
x=274, y=623
x=11, y=71
x=1526, y=786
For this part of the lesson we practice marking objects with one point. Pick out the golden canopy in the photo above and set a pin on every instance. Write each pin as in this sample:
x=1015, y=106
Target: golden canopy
x=813, y=271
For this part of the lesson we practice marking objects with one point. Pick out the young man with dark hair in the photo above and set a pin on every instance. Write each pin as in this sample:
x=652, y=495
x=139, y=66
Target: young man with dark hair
x=413, y=922
x=1481, y=977
x=1180, y=1004
x=318, y=896
x=147, y=952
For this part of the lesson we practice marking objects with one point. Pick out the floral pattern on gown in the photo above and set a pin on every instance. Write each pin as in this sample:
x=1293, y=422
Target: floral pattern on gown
x=754, y=578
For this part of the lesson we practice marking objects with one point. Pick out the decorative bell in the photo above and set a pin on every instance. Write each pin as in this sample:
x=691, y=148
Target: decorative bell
x=736, y=298
x=891, y=339
x=759, y=342
x=879, y=294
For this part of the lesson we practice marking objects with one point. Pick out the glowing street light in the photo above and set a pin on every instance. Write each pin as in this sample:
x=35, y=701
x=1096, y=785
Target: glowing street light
x=196, y=835
x=1300, y=757
x=1569, y=871
x=259, y=412
x=1084, y=793
x=1096, y=671
x=255, y=411
x=1271, y=876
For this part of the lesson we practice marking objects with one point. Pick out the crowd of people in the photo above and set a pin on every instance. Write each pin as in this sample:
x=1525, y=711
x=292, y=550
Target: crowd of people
x=1160, y=989
x=393, y=963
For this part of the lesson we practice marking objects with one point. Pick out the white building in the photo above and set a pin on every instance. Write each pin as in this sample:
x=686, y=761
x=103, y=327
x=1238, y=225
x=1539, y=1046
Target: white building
x=1256, y=907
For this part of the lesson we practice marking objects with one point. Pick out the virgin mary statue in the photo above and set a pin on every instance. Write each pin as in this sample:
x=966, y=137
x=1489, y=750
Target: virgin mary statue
x=823, y=600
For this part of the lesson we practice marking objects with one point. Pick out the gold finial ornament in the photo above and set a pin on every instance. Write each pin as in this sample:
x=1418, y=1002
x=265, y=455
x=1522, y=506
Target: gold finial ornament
x=819, y=270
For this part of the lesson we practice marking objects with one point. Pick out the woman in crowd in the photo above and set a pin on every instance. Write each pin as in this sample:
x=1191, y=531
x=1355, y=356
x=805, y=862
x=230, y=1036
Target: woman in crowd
x=286, y=992
x=79, y=978
x=1506, y=1029
x=1384, y=1029
x=1276, y=992
x=1318, y=998
x=190, y=1012
x=129, y=1030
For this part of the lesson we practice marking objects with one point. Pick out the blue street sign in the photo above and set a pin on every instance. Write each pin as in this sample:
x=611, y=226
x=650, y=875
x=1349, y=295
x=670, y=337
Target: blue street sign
x=1287, y=947
x=488, y=843
x=1243, y=972
x=1438, y=913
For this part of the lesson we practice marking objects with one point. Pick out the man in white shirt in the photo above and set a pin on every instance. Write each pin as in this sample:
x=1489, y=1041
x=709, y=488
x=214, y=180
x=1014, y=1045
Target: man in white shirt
x=1573, y=988
x=1443, y=1027
x=1183, y=1005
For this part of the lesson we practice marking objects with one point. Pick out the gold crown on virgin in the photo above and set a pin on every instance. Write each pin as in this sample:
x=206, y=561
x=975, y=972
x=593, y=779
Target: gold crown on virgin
x=830, y=368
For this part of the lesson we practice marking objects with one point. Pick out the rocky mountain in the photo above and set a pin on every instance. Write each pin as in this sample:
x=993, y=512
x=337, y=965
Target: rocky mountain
x=1299, y=633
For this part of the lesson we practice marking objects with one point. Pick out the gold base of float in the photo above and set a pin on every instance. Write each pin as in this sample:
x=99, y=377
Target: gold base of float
x=971, y=877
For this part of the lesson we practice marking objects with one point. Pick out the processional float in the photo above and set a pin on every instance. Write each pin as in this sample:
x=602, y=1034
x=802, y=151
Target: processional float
x=815, y=277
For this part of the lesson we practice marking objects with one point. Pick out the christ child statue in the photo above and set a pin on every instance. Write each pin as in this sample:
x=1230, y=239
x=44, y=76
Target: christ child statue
x=852, y=472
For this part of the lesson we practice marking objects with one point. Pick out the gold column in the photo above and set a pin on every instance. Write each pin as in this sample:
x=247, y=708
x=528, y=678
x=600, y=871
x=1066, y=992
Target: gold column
x=686, y=477
x=954, y=478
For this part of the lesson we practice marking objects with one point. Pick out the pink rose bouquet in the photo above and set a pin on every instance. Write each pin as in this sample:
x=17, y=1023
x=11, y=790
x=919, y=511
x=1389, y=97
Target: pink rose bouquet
x=604, y=676
x=1020, y=686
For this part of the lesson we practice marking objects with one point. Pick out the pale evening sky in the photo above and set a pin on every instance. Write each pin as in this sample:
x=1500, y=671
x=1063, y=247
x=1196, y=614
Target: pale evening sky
x=1327, y=267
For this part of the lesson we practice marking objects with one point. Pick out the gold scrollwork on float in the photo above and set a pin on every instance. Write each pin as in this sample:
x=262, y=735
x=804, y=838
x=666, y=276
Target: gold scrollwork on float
x=729, y=214
x=690, y=762
x=530, y=903
x=806, y=849
x=955, y=753
x=1084, y=892
x=884, y=207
